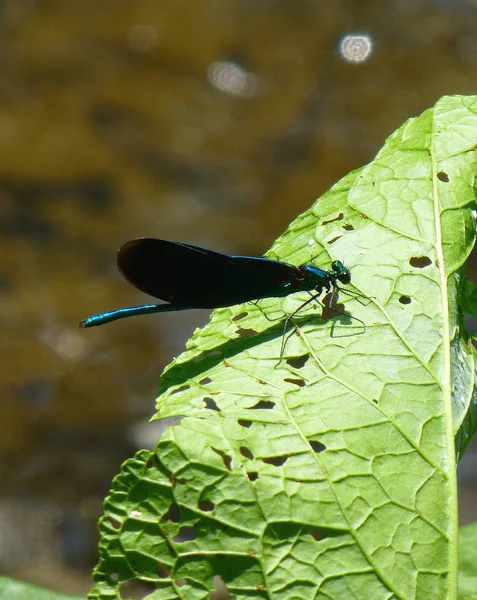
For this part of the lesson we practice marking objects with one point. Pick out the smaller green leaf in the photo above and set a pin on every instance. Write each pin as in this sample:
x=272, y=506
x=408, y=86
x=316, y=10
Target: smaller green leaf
x=11, y=589
x=469, y=297
x=468, y=562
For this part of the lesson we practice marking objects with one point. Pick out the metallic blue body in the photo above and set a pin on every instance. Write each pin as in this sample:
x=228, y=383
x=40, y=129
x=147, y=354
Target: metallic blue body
x=186, y=277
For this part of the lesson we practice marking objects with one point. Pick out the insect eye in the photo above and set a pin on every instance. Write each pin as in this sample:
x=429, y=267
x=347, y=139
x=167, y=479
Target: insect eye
x=345, y=277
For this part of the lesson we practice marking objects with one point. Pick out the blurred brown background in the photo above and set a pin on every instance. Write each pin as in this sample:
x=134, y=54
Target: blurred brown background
x=212, y=122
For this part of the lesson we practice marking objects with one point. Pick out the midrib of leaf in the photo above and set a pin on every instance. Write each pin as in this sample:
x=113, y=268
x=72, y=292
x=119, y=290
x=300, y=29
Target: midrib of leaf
x=376, y=566
x=451, y=474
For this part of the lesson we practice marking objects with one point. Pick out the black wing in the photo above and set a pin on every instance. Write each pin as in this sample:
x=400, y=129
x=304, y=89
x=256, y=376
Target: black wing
x=195, y=277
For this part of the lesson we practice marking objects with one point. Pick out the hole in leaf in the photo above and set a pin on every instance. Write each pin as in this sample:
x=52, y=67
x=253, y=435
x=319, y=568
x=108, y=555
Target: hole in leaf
x=115, y=524
x=115, y=576
x=211, y=404
x=205, y=381
x=180, y=389
x=246, y=452
x=298, y=362
x=276, y=461
x=375, y=400
x=181, y=582
x=442, y=176
x=173, y=514
x=162, y=571
x=348, y=227
x=243, y=333
x=263, y=404
x=186, y=534
x=206, y=505
x=225, y=457
x=317, y=446
x=136, y=590
x=335, y=239
x=420, y=261
x=318, y=534
x=298, y=382
x=252, y=475
x=322, y=533
x=338, y=218
x=244, y=423
x=405, y=300
x=242, y=315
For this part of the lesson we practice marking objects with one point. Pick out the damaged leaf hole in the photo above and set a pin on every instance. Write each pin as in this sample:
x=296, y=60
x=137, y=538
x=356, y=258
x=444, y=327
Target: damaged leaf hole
x=348, y=227
x=186, y=534
x=244, y=423
x=299, y=382
x=333, y=220
x=242, y=315
x=319, y=534
x=442, y=176
x=183, y=388
x=179, y=480
x=211, y=404
x=246, y=452
x=420, y=261
x=333, y=240
x=206, y=506
x=205, y=381
x=136, y=590
x=227, y=459
x=163, y=571
x=276, y=461
x=317, y=446
x=115, y=524
x=264, y=405
x=298, y=362
x=173, y=513
x=252, y=475
x=405, y=300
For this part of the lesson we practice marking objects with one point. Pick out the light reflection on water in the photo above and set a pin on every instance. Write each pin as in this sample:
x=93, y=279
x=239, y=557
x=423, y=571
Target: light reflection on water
x=231, y=78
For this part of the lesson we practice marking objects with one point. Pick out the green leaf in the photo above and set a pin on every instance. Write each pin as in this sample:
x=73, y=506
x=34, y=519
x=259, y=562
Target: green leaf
x=332, y=474
x=18, y=590
x=469, y=296
x=468, y=562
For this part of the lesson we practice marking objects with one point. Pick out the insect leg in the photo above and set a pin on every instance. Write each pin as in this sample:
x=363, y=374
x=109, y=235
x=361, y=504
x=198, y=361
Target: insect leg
x=287, y=320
